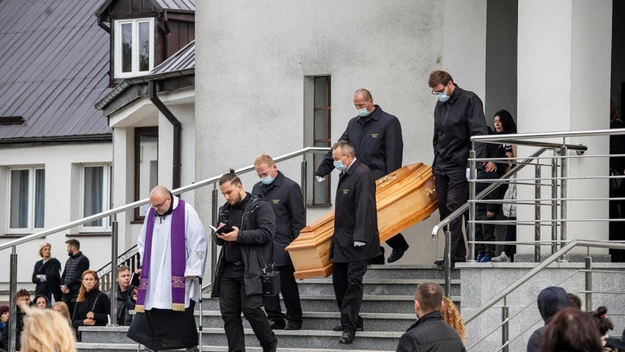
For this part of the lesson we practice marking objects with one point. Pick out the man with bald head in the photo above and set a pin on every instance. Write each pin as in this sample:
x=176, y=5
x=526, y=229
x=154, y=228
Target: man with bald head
x=172, y=246
x=377, y=138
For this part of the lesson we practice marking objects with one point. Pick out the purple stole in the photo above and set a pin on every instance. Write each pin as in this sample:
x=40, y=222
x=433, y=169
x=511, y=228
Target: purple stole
x=178, y=259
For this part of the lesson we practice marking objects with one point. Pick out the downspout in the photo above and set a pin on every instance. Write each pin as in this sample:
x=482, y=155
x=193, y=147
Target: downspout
x=177, y=133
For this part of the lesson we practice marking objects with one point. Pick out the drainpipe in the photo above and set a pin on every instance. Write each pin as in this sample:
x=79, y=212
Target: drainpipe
x=177, y=133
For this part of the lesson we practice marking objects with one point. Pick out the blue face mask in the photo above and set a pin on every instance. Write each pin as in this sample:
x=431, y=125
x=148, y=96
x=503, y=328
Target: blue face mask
x=443, y=97
x=267, y=180
x=363, y=112
x=338, y=164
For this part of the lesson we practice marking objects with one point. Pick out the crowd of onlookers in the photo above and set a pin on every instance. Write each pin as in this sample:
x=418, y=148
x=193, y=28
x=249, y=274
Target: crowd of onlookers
x=72, y=296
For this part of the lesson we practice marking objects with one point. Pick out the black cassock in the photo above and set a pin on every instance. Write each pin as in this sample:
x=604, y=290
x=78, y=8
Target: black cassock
x=355, y=219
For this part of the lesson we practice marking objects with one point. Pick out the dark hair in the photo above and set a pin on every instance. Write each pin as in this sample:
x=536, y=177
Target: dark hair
x=230, y=177
x=605, y=324
x=365, y=93
x=507, y=122
x=122, y=268
x=575, y=301
x=571, y=330
x=22, y=293
x=439, y=76
x=45, y=298
x=430, y=296
x=73, y=242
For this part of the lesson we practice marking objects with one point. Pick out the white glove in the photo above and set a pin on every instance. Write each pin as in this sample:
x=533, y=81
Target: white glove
x=320, y=179
x=359, y=243
x=468, y=174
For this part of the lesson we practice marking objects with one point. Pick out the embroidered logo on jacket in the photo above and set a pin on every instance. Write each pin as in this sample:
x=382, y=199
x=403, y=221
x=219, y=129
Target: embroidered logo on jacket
x=345, y=190
x=375, y=135
x=276, y=201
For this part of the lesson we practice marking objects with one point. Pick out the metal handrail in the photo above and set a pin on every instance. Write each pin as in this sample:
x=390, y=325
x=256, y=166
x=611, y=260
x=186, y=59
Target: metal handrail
x=538, y=268
x=504, y=138
x=484, y=193
x=144, y=201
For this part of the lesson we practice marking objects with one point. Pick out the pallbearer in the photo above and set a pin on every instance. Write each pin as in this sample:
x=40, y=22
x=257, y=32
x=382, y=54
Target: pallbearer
x=172, y=245
x=285, y=197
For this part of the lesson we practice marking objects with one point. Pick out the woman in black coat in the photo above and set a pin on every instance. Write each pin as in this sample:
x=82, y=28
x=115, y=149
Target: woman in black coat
x=47, y=275
x=92, y=305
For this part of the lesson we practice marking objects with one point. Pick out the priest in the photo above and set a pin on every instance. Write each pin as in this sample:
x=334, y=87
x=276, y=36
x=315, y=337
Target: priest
x=173, y=246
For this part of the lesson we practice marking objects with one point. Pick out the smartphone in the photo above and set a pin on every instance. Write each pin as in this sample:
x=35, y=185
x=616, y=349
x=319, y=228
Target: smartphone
x=221, y=229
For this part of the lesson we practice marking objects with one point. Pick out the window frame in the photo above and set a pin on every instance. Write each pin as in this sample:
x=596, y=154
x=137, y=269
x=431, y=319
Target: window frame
x=327, y=107
x=106, y=197
x=32, y=170
x=141, y=131
x=117, y=47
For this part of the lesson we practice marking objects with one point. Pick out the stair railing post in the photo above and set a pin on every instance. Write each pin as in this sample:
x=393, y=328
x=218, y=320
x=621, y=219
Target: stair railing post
x=12, y=301
x=537, y=227
x=304, y=183
x=472, y=179
x=564, y=166
x=113, y=277
x=448, y=262
x=214, y=219
x=505, y=331
x=588, y=279
x=554, y=203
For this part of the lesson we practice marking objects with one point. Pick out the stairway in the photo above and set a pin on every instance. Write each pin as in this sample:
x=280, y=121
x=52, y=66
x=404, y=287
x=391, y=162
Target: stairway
x=387, y=309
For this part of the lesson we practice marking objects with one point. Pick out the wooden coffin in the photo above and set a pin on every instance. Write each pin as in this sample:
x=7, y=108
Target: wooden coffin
x=404, y=198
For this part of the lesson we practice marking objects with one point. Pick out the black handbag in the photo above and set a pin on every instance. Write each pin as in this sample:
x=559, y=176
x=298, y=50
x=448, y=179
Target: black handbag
x=615, y=183
x=270, y=278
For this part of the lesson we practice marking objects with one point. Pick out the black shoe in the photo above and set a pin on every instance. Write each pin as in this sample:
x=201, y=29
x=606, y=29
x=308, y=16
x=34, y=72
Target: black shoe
x=347, y=338
x=273, y=347
x=293, y=325
x=340, y=328
x=379, y=260
x=440, y=262
x=276, y=325
x=396, y=254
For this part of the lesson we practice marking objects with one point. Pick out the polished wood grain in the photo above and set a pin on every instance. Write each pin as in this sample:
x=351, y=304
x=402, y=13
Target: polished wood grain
x=404, y=198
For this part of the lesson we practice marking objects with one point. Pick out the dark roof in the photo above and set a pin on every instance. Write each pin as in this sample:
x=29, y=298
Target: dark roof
x=54, y=63
x=161, y=5
x=182, y=63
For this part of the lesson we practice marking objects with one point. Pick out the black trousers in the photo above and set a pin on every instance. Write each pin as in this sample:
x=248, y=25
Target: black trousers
x=165, y=329
x=397, y=241
x=290, y=295
x=232, y=301
x=347, y=282
x=510, y=235
x=452, y=190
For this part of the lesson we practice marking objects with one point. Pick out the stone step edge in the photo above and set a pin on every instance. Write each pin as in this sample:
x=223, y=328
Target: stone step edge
x=375, y=281
x=325, y=333
x=133, y=347
x=329, y=315
x=365, y=298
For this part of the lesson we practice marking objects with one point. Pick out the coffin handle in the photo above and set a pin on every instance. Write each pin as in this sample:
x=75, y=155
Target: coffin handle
x=385, y=179
x=430, y=191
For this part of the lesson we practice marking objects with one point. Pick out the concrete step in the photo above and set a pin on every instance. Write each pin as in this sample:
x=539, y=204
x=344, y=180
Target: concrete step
x=107, y=347
x=327, y=320
x=373, y=286
x=365, y=340
x=327, y=303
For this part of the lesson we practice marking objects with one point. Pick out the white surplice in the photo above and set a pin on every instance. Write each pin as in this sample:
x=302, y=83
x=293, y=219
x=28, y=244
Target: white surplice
x=159, y=287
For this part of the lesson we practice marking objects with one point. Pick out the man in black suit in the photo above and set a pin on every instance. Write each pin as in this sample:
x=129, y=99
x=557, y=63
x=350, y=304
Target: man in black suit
x=287, y=201
x=356, y=238
x=377, y=140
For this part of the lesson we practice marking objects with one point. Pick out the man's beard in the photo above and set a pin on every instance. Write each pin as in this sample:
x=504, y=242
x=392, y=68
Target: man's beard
x=238, y=201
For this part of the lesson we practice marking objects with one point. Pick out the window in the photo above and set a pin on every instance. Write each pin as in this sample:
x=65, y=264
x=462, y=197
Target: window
x=26, y=199
x=321, y=136
x=134, y=47
x=146, y=165
x=96, y=196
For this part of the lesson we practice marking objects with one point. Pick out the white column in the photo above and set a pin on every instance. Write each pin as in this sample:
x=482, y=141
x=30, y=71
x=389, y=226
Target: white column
x=564, y=55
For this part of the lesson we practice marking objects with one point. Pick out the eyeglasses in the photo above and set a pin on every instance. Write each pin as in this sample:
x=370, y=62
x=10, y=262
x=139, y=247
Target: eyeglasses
x=159, y=205
x=440, y=92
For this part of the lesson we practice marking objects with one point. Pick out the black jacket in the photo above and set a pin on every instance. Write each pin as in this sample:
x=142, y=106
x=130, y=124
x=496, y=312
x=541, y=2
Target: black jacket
x=429, y=334
x=377, y=140
x=95, y=301
x=285, y=197
x=455, y=121
x=74, y=267
x=492, y=151
x=550, y=300
x=255, y=241
x=52, y=286
x=19, y=326
x=355, y=216
x=124, y=305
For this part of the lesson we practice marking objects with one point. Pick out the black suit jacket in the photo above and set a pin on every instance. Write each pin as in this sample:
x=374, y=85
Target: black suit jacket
x=355, y=216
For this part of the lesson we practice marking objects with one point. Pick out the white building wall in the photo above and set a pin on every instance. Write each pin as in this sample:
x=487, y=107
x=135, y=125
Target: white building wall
x=62, y=179
x=251, y=77
x=566, y=87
